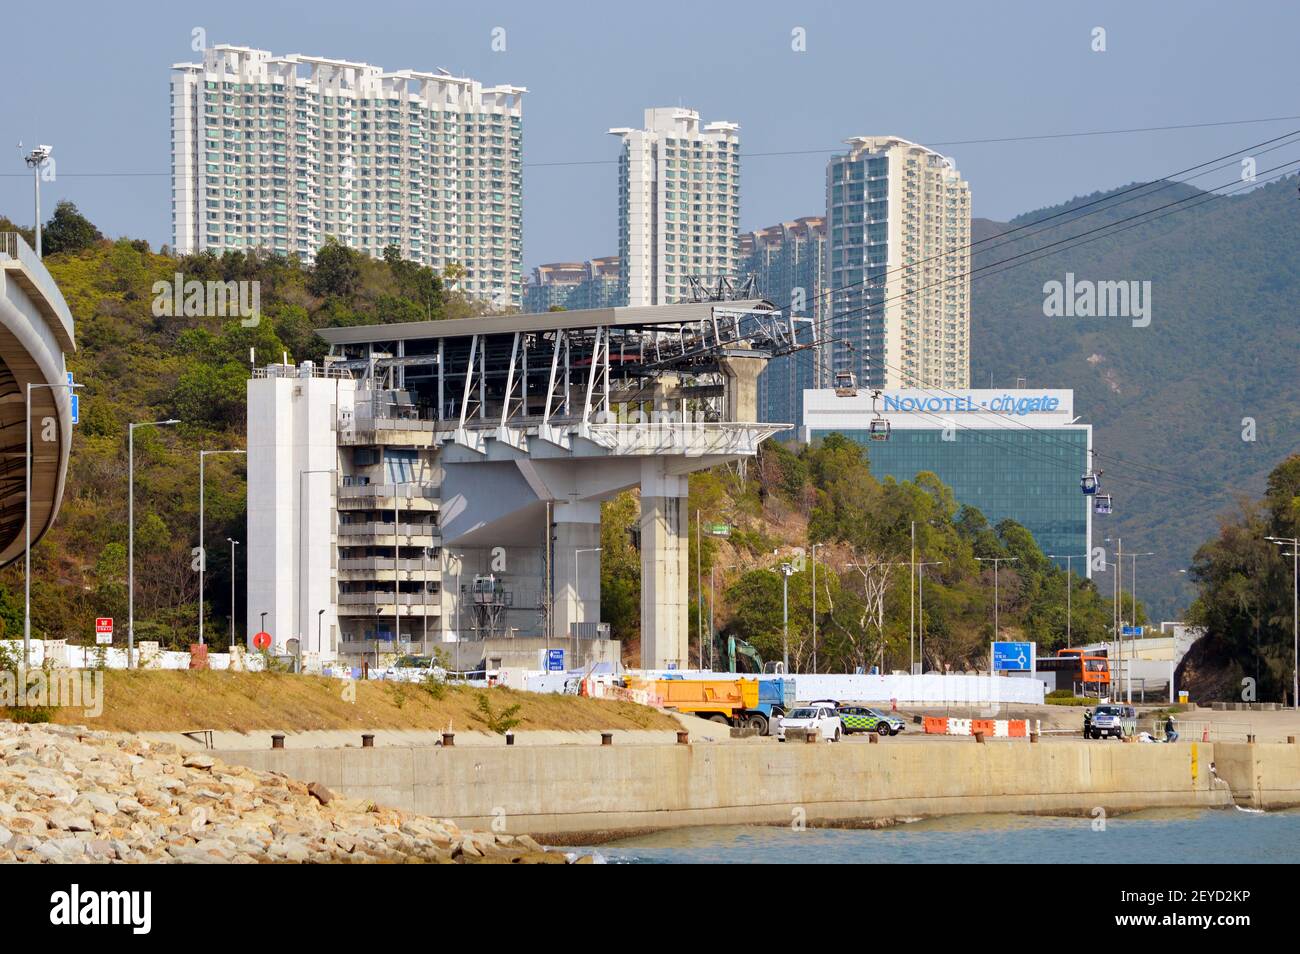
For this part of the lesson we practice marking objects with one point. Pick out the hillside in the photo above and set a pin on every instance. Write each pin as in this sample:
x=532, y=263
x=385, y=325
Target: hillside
x=1168, y=401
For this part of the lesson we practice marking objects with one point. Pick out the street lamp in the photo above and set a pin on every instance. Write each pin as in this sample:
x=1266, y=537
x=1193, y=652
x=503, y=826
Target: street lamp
x=1069, y=586
x=995, y=561
x=814, y=606
x=27, y=547
x=302, y=555
x=233, y=543
x=1294, y=544
x=786, y=570
x=576, y=552
x=37, y=159
x=203, y=553
x=130, y=522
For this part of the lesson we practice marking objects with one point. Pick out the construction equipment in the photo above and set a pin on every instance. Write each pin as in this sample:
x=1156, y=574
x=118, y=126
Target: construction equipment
x=737, y=645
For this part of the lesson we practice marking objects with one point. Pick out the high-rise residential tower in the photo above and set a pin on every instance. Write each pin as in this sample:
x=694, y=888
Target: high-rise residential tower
x=281, y=152
x=898, y=263
x=573, y=285
x=788, y=262
x=679, y=204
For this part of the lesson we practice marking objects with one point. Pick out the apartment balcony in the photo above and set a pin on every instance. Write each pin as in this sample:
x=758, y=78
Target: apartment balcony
x=386, y=569
x=379, y=534
x=388, y=605
x=404, y=497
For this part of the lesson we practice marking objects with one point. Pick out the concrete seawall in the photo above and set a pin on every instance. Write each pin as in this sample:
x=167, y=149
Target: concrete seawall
x=591, y=791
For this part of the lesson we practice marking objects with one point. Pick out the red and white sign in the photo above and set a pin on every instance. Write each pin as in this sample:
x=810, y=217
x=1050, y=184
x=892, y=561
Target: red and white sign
x=262, y=640
x=104, y=630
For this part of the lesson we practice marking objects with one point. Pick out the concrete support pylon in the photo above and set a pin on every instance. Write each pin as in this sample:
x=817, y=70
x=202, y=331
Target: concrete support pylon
x=742, y=374
x=577, y=565
x=665, y=527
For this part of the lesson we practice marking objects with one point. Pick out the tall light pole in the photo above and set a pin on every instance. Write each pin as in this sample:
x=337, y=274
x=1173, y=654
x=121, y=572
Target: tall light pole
x=1294, y=544
x=203, y=553
x=814, y=606
x=920, y=630
x=1069, y=586
x=786, y=570
x=302, y=556
x=996, y=561
x=233, y=543
x=576, y=552
x=130, y=533
x=911, y=597
x=37, y=159
x=27, y=502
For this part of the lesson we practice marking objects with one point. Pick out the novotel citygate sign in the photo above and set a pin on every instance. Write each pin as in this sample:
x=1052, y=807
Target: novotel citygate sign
x=976, y=402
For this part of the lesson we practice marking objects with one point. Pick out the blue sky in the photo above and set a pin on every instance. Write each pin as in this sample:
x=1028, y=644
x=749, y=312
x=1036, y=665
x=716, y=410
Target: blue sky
x=91, y=78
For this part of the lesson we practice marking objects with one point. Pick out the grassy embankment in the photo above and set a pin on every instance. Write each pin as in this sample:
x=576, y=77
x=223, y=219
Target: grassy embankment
x=182, y=701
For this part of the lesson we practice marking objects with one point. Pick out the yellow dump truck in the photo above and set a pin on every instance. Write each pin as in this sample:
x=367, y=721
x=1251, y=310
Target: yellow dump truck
x=737, y=702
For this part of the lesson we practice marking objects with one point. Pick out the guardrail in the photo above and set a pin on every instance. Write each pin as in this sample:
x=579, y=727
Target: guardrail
x=15, y=248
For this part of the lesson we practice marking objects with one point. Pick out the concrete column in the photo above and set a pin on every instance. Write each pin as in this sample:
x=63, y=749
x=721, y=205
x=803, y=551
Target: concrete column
x=577, y=565
x=742, y=385
x=665, y=525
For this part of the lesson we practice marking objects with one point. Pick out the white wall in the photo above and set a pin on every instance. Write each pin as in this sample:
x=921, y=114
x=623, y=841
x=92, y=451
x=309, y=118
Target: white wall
x=934, y=688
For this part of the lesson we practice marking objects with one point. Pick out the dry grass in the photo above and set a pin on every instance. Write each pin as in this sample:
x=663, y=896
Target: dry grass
x=181, y=701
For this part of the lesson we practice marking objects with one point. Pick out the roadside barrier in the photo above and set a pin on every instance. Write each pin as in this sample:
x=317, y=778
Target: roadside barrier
x=989, y=728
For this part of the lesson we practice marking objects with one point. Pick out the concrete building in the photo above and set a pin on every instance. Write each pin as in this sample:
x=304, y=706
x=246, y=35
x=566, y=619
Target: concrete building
x=281, y=152
x=788, y=262
x=1014, y=454
x=439, y=482
x=679, y=204
x=574, y=286
x=898, y=236
x=36, y=332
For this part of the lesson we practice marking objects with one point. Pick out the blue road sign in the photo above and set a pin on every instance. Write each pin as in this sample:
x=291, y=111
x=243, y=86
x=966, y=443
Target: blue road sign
x=1013, y=657
x=75, y=402
x=1132, y=630
x=555, y=660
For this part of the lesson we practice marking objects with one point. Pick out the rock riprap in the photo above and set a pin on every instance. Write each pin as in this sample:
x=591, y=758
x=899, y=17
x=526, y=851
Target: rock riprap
x=72, y=794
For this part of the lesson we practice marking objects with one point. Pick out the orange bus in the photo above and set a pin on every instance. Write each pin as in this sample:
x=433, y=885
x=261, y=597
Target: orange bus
x=1085, y=672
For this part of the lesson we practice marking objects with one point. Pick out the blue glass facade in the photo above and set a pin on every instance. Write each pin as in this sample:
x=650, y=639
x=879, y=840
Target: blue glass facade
x=1030, y=476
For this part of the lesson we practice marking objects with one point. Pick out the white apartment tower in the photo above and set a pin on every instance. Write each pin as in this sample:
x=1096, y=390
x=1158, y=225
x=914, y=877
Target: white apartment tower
x=679, y=204
x=898, y=224
x=281, y=152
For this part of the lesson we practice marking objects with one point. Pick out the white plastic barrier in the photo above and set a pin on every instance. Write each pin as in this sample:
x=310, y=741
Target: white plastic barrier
x=931, y=688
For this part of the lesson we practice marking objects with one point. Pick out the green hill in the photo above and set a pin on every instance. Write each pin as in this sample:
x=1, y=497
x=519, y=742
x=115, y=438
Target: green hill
x=1168, y=400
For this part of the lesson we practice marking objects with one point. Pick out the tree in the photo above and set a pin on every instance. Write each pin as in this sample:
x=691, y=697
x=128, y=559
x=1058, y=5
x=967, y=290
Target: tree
x=337, y=272
x=68, y=231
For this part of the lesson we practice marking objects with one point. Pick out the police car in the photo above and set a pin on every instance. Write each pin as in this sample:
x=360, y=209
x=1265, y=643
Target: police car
x=867, y=719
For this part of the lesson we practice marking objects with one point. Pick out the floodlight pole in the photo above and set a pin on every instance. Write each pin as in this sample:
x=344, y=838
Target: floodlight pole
x=130, y=533
x=203, y=553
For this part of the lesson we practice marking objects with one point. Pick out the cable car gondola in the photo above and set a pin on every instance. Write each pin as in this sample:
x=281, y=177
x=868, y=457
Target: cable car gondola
x=1101, y=503
x=878, y=429
x=846, y=385
x=1090, y=483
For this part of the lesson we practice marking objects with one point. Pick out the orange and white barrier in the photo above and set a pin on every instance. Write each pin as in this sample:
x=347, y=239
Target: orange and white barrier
x=992, y=728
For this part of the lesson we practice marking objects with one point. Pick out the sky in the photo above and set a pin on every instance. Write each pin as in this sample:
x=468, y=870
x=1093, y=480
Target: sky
x=92, y=80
